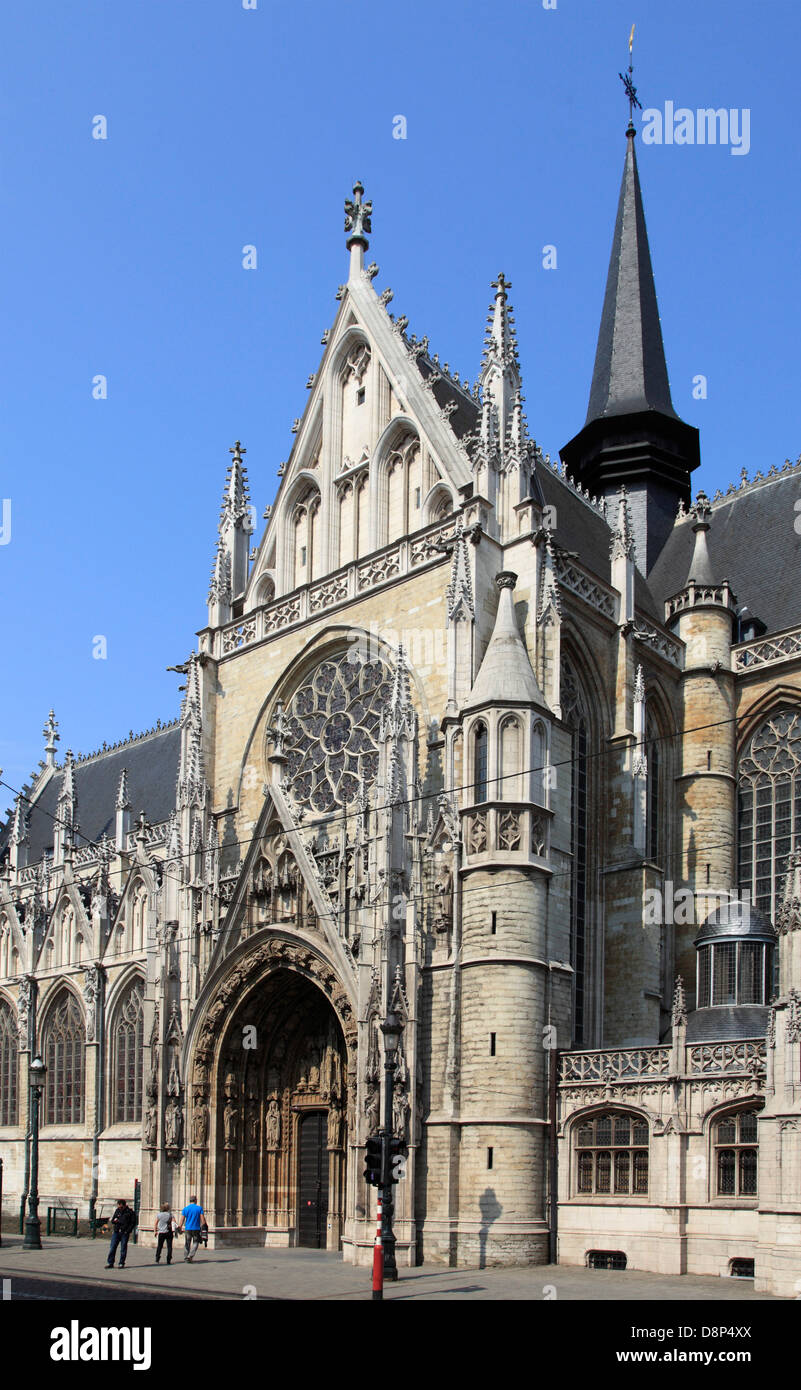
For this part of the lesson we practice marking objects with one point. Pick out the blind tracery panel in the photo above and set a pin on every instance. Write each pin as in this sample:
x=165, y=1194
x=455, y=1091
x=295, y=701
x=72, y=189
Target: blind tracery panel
x=769, y=813
x=332, y=728
x=64, y=1049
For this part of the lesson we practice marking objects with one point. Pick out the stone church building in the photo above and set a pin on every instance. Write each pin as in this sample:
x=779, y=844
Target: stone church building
x=509, y=745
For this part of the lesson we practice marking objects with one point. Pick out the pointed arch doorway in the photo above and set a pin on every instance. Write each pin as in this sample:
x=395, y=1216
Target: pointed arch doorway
x=280, y=1100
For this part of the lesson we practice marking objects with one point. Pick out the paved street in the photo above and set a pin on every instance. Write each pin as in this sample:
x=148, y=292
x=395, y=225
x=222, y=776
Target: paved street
x=70, y=1268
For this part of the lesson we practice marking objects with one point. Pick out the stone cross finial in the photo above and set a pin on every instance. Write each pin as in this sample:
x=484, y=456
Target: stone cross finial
x=237, y=451
x=358, y=216
x=501, y=285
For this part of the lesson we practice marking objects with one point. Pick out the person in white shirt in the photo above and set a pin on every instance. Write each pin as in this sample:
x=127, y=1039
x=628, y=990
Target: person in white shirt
x=164, y=1230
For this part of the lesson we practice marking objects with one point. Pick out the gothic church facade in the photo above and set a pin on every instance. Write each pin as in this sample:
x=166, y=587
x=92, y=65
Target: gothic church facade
x=512, y=747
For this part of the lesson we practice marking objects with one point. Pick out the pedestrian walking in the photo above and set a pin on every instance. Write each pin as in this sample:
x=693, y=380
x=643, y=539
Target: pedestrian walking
x=164, y=1229
x=122, y=1223
x=192, y=1218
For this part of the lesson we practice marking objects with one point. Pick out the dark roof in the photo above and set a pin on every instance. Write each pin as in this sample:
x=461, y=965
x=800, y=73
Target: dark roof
x=735, y=919
x=727, y=1023
x=630, y=372
x=752, y=543
x=152, y=763
x=581, y=528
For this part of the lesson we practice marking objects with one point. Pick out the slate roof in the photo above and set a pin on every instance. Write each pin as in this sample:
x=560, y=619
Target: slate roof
x=581, y=528
x=152, y=763
x=727, y=1023
x=630, y=373
x=753, y=543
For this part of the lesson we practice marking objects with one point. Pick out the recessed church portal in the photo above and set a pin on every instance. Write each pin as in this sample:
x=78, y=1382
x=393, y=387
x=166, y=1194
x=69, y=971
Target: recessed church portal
x=281, y=1108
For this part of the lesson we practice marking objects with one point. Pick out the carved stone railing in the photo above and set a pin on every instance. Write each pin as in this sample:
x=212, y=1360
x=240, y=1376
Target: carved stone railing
x=660, y=642
x=764, y=651
x=341, y=587
x=622, y=1064
x=154, y=834
x=699, y=596
x=732, y=1058
x=585, y=587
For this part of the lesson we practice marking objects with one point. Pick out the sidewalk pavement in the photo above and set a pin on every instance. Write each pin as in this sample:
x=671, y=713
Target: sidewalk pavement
x=318, y=1275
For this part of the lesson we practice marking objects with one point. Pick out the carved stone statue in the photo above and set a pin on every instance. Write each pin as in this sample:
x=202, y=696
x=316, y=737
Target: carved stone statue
x=200, y=1126
x=372, y=1107
x=273, y=1125
x=254, y=1125
x=231, y=1124
x=334, y=1119
x=151, y=1127
x=173, y=1125
x=443, y=888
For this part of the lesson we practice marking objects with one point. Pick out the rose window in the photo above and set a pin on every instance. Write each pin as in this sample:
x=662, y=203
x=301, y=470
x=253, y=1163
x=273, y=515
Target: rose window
x=331, y=732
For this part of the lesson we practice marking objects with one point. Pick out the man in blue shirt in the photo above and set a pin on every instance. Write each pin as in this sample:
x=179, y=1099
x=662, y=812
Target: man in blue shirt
x=192, y=1218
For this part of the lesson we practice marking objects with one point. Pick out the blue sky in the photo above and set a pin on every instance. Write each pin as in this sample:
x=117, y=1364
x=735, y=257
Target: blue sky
x=228, y=127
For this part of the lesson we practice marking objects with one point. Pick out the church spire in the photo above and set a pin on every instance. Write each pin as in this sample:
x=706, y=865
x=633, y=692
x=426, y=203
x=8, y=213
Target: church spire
x=632, y=434
x=630, y=372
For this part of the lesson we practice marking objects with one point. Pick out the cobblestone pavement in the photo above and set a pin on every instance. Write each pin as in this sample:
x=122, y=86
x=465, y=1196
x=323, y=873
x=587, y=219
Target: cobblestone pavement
x=314, y=1274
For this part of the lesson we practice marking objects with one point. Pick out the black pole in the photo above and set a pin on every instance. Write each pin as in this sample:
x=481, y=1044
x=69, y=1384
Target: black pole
x=387, y=1233
x=33, y=1226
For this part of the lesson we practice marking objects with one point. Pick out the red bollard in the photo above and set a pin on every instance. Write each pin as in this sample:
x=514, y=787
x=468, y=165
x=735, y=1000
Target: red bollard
x=378, y=1258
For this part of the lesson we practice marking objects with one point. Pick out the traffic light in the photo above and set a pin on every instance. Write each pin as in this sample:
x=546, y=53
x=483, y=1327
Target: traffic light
x=372, y=1161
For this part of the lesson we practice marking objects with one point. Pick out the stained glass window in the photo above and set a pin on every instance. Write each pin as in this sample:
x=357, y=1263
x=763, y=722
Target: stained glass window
x=128, y=1057
x=769, y=813
x=332, y=728
x=64, y=1053
x=8, y=1066
x=612, y=1156
x=736, y=1154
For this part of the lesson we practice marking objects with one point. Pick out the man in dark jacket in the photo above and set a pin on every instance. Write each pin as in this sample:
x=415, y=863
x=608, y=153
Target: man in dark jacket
x=122, y=1223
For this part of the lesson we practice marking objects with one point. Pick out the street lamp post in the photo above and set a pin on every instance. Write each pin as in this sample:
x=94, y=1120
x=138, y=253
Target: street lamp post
x=33, y=1227
x=391, y=1028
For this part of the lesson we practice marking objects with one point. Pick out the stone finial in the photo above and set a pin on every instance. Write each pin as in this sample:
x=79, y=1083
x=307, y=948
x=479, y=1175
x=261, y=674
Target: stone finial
x=622, y=542
x=679, y=1011
x=701, y=564
x=122, y=802
x=50, y=732
x=358, y=217
x=459, y=593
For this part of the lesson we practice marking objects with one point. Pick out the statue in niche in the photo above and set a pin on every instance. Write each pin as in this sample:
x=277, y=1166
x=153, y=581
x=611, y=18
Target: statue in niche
x=230, y=1124
x=151, y=1128
x=200, y=1126
x=443, y=889
x=231, y=1087
x=334, y=1119
x=254, y=1125
x=173, y=1125
x=372, y=1107
x=273, y=1125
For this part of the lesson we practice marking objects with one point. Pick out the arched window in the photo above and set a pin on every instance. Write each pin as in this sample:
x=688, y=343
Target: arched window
x=769, y=807
x=480, y=763
x=128, y=1044
x=575, y=717
x=612, y=1156
x=509, y=788
x=64, y=1058
x=9, y=1057
x=735, y=1145
x=652, y=826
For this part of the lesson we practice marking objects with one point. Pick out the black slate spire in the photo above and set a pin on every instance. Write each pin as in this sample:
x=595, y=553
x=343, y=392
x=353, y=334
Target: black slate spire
x=632, y=435
x=630, y=371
